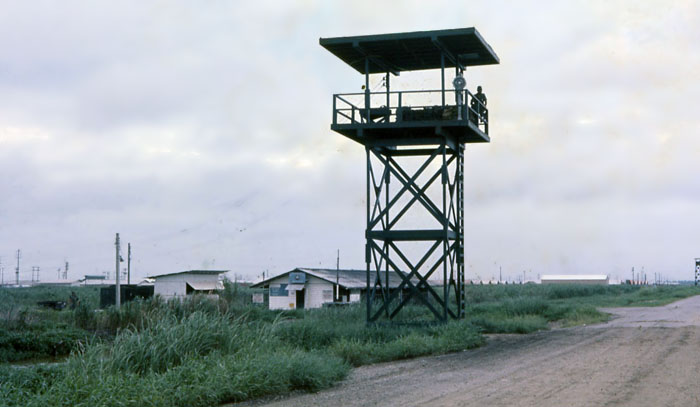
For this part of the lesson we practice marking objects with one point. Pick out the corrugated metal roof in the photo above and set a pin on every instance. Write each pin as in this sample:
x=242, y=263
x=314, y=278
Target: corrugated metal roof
x=346, y=278
x=191, y=272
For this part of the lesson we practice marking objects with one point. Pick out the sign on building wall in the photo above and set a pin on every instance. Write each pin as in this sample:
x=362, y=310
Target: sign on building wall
x=297, y=278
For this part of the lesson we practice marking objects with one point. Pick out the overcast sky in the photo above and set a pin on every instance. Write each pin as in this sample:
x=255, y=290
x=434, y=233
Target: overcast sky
x=200, y=132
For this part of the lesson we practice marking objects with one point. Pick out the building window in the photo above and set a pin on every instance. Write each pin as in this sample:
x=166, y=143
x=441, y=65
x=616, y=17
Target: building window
x=327, y=295
x=279, y=291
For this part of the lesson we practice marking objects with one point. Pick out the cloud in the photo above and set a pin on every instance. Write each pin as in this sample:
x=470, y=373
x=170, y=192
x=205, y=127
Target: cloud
x=201, y=133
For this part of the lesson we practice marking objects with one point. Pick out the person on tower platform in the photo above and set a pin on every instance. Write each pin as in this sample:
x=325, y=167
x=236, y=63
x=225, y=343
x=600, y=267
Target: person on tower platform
x=478, y=106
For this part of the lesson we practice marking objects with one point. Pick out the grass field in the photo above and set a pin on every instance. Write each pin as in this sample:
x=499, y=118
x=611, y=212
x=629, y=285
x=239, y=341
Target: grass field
x=203, y=353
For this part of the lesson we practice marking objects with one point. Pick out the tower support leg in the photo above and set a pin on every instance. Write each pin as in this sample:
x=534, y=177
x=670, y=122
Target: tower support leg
x=415, y=230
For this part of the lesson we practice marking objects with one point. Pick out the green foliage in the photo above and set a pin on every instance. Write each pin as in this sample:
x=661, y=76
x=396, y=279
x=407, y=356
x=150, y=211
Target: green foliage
x=19, y=384
x=451, y=337
x=203, y=352
x=39, y=341
x=520, y=324
x=237, y=295
x=23, y=297
x=199, y=360
x=530, y=307
x=167, y=342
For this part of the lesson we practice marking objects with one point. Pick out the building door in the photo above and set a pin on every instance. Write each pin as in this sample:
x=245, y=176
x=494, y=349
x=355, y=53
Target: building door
x=300, y=299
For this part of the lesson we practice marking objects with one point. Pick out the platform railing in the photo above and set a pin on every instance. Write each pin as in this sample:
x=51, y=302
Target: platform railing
x=377, y=108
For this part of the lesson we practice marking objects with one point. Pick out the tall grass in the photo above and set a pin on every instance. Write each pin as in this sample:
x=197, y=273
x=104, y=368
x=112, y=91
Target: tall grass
x=527, y=308
x=343, y=332
x=202, y=352
x=196, y=360
x=39, y=341
x=27, y=297
x=167, y=342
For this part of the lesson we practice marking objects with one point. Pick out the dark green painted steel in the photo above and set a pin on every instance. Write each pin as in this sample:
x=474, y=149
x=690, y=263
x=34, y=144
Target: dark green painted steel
x=412, y=51
x=418, y=147
x=388, y=247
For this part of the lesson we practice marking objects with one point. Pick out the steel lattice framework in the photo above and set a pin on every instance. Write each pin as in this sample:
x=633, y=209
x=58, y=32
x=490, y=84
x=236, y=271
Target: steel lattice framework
x=415, y=164
x=439, y=168
x=697, y=270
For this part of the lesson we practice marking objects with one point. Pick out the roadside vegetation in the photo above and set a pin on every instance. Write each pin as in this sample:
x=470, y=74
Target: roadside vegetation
x=201, y=352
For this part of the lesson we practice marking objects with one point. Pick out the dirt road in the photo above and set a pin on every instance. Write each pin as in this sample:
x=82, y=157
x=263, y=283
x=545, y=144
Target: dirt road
x=643, y=357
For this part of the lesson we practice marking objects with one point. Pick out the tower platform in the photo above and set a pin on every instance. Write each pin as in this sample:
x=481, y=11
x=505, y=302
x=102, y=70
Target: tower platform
x=414, y=144
x=414, y=117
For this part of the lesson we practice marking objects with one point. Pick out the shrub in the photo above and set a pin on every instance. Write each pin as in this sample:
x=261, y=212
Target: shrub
x=39, y=343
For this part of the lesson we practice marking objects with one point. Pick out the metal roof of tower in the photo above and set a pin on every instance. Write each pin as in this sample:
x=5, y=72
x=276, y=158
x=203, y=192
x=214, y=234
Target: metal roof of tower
x=412, y=51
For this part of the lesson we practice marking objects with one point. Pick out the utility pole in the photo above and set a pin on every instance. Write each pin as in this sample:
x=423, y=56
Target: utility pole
x=128, y=265
x=118, y=299
x=337, y=277
x=65, y=272
x=500, y=274
x=35, y=271
x=19, y=255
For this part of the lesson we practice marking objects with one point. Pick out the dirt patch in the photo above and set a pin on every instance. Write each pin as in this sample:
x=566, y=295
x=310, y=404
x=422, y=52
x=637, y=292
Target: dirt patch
x=642, y=357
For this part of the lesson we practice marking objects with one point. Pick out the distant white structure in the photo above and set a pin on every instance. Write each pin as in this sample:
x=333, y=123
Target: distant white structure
x=147, y=282
x=575, y=279
x=93, y=280
x=55, y=283
x=184, y=283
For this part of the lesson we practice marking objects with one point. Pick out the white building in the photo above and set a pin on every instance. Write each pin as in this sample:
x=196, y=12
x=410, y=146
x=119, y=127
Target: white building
x=311, y=288
x=574, y=279
x=181, y=284
x=93, y=280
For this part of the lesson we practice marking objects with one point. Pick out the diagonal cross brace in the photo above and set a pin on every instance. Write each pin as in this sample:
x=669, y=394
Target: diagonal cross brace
x=406, y=281
x=406, y=185
x=422, y=198
x=423, y=281
x=415, y=197
x=409, y=184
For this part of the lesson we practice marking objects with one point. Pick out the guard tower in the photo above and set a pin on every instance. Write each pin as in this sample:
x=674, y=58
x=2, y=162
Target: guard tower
x=414, y=142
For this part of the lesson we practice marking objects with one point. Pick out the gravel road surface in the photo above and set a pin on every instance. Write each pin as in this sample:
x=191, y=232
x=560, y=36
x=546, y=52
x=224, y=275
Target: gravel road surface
x=642, y=357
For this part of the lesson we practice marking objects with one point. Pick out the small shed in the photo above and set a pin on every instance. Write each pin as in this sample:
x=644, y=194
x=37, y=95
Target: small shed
x=311, y=288
x=575, y=279
x=184, y=283
x=127, y=292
